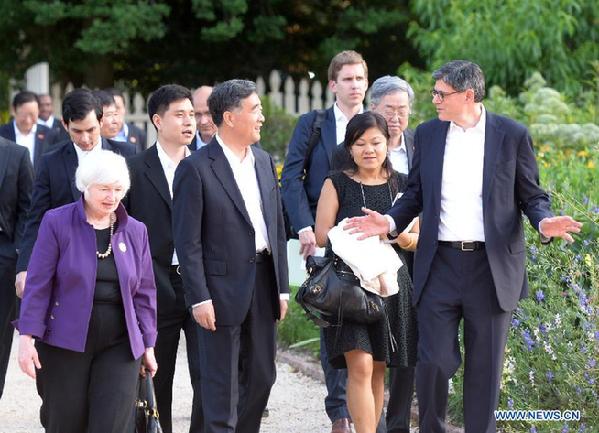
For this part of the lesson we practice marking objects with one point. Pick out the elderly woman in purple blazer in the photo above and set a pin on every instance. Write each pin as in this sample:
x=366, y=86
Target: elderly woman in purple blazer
x=88, y=315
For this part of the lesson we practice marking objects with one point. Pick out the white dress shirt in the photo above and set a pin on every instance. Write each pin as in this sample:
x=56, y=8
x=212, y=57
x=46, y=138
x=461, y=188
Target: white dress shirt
x=169, y=166
x=26, y=140
x=244, y=172
x=341, y=122
x=83, y=153
x=49, y=123
x=399, y=156
x=461, y=217
x=199, y=142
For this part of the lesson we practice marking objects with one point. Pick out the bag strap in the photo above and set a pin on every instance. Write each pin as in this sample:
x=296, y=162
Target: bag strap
x=314, y=136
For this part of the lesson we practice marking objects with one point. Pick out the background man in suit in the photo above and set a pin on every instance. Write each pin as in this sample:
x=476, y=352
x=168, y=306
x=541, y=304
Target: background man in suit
x=230, y=238
x=24, y=129
x=474, y=174
x=46, y=118
x=110, y=116
x=392, y=98
x=54, y=184
x=16, y=180
x=150, y=201
x=128, y=131
x=348, y=80
x=205, y=126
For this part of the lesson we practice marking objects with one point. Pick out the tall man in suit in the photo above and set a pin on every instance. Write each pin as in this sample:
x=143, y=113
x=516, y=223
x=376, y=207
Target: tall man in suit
x=205, y=126
x=348, y=80
x=46, y=118
x=392, y=98
x=230, y=239
x=150, y=201
x=16, y=180
x=54, y=184
x=24, y=129
x=474, y=174
x=128, y=131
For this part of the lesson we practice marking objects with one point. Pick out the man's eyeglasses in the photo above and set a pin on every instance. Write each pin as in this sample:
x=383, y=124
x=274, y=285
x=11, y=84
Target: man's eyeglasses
x=390, y=113
x=442, y=95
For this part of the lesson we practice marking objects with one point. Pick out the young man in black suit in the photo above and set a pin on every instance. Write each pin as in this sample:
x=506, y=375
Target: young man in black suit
x=230, y=238
x=474, y=173
x=150, y=201
x=54, y=184
x=16, y=180
x=24, y=130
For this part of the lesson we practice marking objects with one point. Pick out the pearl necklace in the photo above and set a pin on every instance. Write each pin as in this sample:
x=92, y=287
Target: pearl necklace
x=109, y=250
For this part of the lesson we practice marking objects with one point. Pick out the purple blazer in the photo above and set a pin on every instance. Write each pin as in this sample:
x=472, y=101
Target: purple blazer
x=61, y=278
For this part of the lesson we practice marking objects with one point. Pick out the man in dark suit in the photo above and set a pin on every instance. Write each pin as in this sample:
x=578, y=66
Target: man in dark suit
x=54, y=184
x=128, y=131
x=348, y=80
x=205, y=126
x=150, y=201
x=24, y=130
x=46, y=118
x=16, y=180
x=392, y=98
x=230, y=239
x=474, y=174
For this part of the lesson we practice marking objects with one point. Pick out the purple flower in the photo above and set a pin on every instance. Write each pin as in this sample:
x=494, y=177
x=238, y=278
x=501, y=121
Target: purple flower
x=578, y=390
x=543, y=329
x=586, y=242
x=510, y=403
x=540, y=295
x=565, y=429
x=596, y=209
x=528, y=340
x=592, y=363
x=533, y=429
x=585, y=200
x=549, y=376
x=597, y=335
x=515, y=322
x=582, y=428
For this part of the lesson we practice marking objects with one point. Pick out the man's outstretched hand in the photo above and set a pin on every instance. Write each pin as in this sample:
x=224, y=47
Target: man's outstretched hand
x=372, y=224
x=560, y=227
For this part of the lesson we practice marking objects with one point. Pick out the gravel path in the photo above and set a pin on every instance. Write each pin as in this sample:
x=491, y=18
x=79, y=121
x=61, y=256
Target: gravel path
x=19, y=406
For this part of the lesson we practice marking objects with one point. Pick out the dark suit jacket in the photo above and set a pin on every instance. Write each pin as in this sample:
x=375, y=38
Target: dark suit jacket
x=510, y=187
x=16, y=181
x=55, y=186
x=45, y=139
x=136, y=137
x=300, y=194
x=214, y=237
x=149, y=201
x=60, y=134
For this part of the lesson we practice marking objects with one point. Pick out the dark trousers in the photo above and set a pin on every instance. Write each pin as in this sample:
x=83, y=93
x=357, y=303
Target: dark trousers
x=93, y=391
x=460, y=286
x=167, y=343
x=238, y=363
x=401, y=393
x=8, y=258
x=336, y=382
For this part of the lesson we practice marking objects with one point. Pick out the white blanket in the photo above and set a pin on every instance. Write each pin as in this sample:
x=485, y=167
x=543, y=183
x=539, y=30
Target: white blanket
x=370, y=259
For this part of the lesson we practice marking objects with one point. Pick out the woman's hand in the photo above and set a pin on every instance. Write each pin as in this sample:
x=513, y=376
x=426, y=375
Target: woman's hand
x=28, y=358
x=148, y=363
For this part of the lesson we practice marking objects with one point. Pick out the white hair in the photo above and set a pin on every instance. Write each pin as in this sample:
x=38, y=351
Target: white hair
x=102, y=167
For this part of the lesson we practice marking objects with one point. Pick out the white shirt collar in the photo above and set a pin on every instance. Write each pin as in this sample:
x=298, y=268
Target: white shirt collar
x=230, y=155
x=49, y=123
x=20, y=134
x=83, y=153
x=165, y=160
x=340, y=116
x=478, y=128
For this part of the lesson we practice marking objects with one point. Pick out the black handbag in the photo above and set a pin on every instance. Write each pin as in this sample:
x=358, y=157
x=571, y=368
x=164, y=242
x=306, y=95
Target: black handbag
x=332, y=293
x=146, y=411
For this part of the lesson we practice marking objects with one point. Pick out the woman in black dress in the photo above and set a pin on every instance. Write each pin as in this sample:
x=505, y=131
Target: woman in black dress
x=366, y=350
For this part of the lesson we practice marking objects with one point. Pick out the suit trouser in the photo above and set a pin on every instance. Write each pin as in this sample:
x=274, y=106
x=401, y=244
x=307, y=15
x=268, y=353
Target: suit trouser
x=401, y=392
x=238, y=363
x=92, y=391
x=167, y=343
x=460, y=286
x=8, y=301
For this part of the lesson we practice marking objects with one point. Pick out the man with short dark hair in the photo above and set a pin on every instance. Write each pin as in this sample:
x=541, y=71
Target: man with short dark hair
x=110, y=117
x=24, y=129
x=16, y=180
x=474, y=174
x=128, y=131
x=230, y=239
x=205, y=126
x=55, y=175
x=348, y=80
x=46, y=118
x=150, y=201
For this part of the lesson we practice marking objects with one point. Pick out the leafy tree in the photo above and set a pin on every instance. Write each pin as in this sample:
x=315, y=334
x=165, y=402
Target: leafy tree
x=511, y=39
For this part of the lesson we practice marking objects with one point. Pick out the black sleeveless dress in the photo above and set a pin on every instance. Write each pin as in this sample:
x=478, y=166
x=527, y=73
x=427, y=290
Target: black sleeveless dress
x=375, y=338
